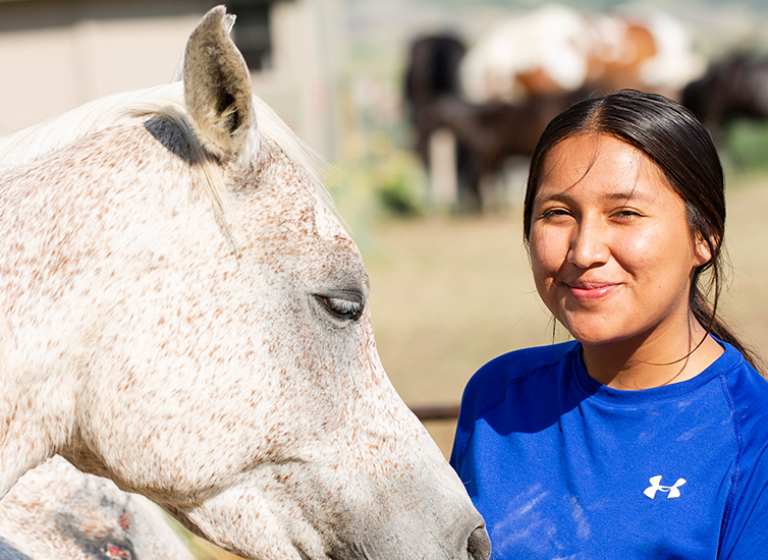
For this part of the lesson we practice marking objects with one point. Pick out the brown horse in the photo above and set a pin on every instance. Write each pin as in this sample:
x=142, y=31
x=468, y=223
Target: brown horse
x=734, y=87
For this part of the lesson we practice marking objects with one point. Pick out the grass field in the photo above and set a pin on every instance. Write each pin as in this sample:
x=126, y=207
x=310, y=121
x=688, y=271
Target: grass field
x=448, y=294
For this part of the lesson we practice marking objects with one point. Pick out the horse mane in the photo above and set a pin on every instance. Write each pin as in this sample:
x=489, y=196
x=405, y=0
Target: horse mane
x=22, y=150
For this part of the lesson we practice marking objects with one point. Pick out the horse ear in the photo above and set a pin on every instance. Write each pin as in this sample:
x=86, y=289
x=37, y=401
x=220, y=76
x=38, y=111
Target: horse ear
x=217, y=86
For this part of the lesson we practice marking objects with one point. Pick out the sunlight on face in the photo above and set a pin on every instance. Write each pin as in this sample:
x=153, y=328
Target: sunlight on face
x=611, y=249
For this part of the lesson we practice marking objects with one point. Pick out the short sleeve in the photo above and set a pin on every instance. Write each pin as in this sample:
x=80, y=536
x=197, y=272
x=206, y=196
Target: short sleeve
x=745, y=534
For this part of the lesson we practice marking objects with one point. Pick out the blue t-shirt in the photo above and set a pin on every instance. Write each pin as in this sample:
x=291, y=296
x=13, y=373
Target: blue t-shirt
x=561, y=466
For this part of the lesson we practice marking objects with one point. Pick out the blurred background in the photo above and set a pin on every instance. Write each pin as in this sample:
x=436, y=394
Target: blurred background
x=425, y=112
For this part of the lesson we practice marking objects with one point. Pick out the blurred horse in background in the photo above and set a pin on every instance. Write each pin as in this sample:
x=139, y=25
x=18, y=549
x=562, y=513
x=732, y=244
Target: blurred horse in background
x=432, y=73
x=497, y=95
x=732, y=88
x=556, y=49
x=487, y=135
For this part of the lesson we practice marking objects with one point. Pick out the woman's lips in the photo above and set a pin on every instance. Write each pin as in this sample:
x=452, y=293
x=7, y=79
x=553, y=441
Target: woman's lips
x=591, y=291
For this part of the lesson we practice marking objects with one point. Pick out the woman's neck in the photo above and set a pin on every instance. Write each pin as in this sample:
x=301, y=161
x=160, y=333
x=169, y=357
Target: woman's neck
x=653, y=360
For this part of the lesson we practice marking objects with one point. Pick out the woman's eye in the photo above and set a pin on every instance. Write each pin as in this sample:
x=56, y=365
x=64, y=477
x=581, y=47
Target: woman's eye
x=342, y=308
x=554, y=213
x=626, y=215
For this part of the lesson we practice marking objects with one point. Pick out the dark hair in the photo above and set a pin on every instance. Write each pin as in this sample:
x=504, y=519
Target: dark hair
x=682, y=149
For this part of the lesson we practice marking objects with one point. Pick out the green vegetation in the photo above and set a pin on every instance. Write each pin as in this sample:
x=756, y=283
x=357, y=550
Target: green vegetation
x=747, y=146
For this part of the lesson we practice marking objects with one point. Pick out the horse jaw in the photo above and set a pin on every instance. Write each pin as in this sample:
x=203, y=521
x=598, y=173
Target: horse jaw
x=339, y=502
x=29, y=435
x=36, y=410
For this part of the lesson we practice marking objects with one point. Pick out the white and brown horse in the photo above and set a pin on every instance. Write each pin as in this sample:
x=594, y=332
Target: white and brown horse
x=182, y=313
x=556, y=49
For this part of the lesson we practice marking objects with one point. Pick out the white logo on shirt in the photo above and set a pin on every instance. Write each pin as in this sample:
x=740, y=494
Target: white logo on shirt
x=672, y=491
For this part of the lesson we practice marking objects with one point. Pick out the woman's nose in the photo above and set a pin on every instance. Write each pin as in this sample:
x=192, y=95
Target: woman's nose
x=589, y=246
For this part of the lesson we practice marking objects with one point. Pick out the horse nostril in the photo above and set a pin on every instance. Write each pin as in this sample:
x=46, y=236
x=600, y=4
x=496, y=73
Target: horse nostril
x=479, y=545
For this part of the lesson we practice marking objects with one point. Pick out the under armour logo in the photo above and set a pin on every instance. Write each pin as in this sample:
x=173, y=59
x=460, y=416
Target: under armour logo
x=672, y=491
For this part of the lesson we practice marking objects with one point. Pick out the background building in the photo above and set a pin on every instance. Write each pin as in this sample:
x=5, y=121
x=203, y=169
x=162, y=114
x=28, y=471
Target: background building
x=58, y=54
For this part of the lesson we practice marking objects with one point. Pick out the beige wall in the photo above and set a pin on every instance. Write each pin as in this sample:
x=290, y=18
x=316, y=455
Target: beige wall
x=309, y=60
x=57, y=55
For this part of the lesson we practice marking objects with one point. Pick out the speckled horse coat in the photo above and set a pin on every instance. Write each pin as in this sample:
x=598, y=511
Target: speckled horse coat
x=57, y=512
x=182, y=313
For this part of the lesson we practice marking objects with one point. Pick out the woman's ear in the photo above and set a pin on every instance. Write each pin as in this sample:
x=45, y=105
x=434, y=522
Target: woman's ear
x=702, y=253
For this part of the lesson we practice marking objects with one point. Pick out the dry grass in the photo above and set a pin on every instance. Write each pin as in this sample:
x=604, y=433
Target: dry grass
x=745, y=298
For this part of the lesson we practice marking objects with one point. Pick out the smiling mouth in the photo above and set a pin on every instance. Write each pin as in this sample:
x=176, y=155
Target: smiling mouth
x=590, y=291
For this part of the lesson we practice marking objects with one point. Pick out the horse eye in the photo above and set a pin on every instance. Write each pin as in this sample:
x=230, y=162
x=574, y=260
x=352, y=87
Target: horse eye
x=342, y=308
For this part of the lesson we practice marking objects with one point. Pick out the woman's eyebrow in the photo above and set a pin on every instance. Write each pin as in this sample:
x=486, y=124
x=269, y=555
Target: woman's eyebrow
x=564, y=196
x=633, y=194
x=560, y=196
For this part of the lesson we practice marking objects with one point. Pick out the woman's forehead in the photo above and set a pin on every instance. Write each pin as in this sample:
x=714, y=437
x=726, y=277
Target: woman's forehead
x=598, y=162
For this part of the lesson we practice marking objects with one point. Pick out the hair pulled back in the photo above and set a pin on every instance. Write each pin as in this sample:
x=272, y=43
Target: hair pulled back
x=682, y=149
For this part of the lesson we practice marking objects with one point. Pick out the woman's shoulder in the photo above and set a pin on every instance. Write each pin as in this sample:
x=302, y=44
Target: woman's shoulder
x=520, y=364
x=524, y=375
x=747, y=393
x=743, y=381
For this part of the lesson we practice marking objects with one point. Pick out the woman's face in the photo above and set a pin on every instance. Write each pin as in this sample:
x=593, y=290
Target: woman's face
x=611, y=249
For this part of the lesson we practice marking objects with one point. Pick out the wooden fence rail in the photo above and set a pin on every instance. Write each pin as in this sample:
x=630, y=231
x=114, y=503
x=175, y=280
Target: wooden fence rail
x=444, y=412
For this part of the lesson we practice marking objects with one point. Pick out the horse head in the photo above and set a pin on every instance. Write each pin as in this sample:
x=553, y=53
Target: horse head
x=182, y=312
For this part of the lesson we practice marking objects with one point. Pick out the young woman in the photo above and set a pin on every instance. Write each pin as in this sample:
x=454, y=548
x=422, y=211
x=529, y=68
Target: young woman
x=645, y=437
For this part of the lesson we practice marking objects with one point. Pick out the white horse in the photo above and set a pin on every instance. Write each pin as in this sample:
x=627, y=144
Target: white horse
x=56, y=512
x=181, y=312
